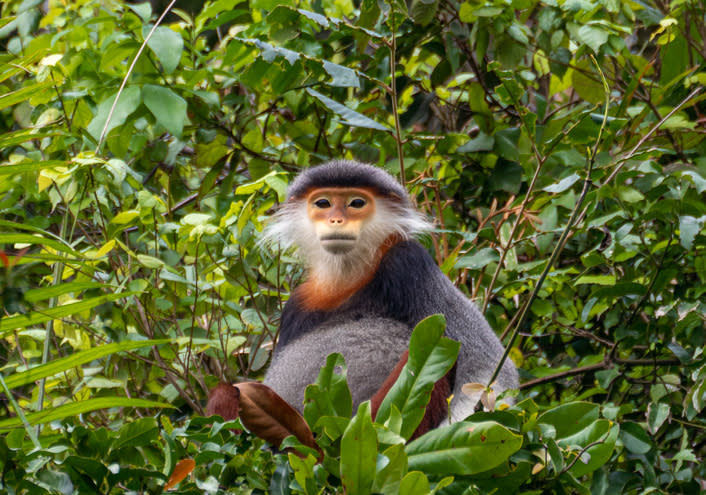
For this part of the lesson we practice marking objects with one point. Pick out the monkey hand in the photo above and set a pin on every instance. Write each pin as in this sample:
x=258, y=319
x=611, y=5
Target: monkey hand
x=262, y=412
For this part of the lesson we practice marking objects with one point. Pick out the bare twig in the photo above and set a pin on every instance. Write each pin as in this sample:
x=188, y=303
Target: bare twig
x=127, y=76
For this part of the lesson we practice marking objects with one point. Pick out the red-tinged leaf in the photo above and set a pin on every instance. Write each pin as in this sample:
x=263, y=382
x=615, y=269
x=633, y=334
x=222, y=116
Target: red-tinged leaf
x=182, y=469
x=270, y=417
x=4, y=259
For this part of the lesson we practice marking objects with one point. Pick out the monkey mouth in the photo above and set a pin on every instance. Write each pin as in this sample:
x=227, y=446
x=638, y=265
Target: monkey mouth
x=338, y=243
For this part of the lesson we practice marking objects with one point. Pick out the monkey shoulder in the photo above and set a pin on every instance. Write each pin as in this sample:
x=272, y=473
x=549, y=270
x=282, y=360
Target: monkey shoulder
x=409, y=286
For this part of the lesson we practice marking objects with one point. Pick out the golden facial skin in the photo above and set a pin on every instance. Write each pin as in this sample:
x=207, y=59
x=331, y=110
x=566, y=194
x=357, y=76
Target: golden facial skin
x=338, y=215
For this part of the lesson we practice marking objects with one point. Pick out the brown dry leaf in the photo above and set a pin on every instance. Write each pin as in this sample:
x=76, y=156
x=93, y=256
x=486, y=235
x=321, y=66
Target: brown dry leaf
x=270, y=417
x=181, y=471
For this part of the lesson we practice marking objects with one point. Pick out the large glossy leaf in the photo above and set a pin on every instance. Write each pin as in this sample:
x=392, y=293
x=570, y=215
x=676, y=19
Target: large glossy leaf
x=359, y=453
x=431, y=356
x=463, y=448
x=568, y=419
x=594, y=445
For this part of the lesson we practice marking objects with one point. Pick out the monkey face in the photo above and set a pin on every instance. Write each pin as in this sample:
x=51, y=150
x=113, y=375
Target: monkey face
x=338, y=216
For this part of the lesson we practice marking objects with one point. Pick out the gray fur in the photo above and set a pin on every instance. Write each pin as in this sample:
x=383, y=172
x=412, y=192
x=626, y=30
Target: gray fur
x=369, y=360
x=481, y=349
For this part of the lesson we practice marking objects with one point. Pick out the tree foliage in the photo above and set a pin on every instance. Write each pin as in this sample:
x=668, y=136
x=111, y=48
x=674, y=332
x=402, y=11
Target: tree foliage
x=558, y=145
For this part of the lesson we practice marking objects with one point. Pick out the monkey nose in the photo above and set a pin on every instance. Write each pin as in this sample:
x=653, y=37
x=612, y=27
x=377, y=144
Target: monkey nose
x=335, y=220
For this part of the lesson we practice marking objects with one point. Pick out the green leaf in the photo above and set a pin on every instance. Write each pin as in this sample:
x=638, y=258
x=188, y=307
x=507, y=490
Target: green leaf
x=415, y=483
x=41, y=294
x=16, y=238
x=478, y=260
x=369, y=14
x=167, y=107
x=76, y=359
x=388, y=478
x=568, y=419
x=657, y=414
x=139, y=433
x=12, y=323
x=129, y=100
x=635, y=439
x=23, y=94
x=482, y=142
x=10, y=139
x=23, y=167
x=431, y=356
x=359, y=453
x=596, y=279
x=167, y=45
x=424, y=12
x=125, y=217
x=675, y=59
x=464, y=448
x=602, y=435
x=593, y=37
x=689, y=227
x=586, y=83
x=563, y=184
x=341, y=76
x=350, y=117
x=80, y=407
x=330, y=395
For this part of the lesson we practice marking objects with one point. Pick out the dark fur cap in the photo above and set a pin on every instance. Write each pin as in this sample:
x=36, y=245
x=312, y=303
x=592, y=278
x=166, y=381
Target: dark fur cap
x=345, y=173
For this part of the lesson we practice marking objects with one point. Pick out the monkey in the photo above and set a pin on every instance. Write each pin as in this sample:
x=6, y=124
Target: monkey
x=368, y=283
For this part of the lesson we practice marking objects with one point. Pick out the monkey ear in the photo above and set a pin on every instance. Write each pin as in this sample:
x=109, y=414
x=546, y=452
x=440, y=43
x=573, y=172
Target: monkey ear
x=270, y=417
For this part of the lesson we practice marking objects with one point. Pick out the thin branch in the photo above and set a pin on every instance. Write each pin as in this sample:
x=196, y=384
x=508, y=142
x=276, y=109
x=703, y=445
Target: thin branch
x=569, y=226
x=127, y=76
x=393, y=97
x=622, y=161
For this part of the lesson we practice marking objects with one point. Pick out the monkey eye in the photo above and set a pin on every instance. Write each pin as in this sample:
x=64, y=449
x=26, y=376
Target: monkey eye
x=322, y=203
x=357, y=203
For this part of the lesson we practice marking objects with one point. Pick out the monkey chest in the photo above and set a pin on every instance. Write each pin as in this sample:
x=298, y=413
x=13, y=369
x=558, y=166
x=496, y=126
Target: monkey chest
x=371, y=348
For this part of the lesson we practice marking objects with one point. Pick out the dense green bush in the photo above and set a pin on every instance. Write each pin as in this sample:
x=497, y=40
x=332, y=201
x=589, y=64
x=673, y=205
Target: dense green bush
x=558, y=145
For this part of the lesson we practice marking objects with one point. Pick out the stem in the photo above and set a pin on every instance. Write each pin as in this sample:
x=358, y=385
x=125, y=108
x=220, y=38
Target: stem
x=127, y=76
x=56, y=280
x=393, y=97
x=622, y=161
x=28, y=428
x=564, y=235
